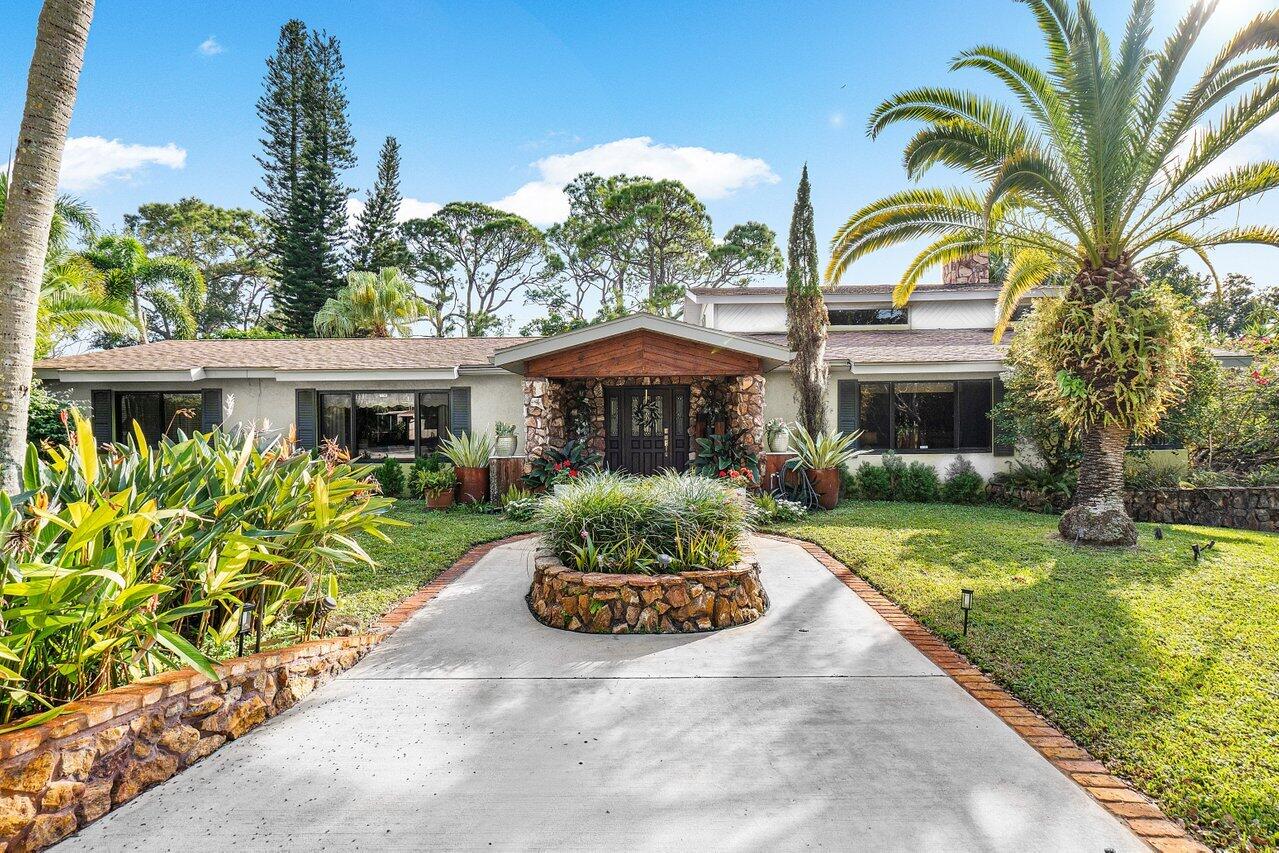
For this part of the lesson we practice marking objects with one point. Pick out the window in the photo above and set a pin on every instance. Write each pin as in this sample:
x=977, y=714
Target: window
x=868, y=316
x=921, y=416
x=385, y=424
x=159, y=413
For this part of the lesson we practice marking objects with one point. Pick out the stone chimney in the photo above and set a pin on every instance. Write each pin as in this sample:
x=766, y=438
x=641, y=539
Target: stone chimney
x=974, y=269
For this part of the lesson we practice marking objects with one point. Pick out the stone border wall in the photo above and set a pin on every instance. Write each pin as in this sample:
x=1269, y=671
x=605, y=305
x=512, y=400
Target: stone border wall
x=1237, y=507
x=1240, y=507
x=596, y=603
x=104, y=750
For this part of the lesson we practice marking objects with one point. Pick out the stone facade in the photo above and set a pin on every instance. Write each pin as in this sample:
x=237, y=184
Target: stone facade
x=544, y=403
x=974, y=269
x=595, y=603
x=1240, y=507
x=106, y=749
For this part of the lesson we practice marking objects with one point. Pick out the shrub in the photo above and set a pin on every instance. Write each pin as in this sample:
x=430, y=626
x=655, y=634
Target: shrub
x=1035, y=487
x=893, y=480
x=726, y=455
x=519, y=504
x=435, y=481
x=560, y=466
x=770, y=509
x=963, y=484
x=390, y=477
x=659, y=523
x=919, y=483
x=873, y=482
x=1143, y=470
x=126, y=563
x=468, y=450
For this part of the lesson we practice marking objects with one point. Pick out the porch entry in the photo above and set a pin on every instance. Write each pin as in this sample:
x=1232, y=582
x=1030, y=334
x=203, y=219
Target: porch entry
x=646, y=428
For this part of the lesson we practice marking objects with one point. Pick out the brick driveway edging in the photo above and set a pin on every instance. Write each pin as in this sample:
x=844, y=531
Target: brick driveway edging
x=1142, y=815
x=105, y=749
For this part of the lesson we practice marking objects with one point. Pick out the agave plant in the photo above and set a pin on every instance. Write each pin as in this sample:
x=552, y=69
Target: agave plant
x=468, y=450
x=1100, y=161
x=826, y=450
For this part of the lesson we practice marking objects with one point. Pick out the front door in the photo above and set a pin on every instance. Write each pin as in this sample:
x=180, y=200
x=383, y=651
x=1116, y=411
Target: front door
x=647, y=428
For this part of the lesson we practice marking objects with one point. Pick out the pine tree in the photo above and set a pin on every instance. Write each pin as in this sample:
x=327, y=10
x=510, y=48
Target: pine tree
x=376, y=243
x=307, y=146
x=806, y=318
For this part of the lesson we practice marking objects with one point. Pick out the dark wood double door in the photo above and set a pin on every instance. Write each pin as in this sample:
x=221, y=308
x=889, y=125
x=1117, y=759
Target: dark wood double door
x=646, y=428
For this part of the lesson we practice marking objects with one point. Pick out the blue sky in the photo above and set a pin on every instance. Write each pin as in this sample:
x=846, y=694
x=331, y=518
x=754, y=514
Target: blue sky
x=496, y=100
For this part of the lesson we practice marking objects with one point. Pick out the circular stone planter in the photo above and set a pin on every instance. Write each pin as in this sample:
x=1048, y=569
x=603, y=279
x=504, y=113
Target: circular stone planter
x=595, y=603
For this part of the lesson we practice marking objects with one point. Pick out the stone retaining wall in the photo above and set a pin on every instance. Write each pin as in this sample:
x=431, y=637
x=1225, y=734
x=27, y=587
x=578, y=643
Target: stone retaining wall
x=595, y=603
x=1240, y=507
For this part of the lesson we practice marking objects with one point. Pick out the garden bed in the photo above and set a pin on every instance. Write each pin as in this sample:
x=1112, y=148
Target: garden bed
x=598, y=603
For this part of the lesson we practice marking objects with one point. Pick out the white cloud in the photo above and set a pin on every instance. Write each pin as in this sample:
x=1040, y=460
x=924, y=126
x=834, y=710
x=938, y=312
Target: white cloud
x=210, y=47
x=410, y=208
x=88, y=161
x=709, y=174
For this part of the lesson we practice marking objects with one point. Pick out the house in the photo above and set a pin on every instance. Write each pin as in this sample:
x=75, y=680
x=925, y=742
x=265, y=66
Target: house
x=919, y=380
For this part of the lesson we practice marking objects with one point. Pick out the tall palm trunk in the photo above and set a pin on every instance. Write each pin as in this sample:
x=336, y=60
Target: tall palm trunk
x=1097, y=515
x=61, y=33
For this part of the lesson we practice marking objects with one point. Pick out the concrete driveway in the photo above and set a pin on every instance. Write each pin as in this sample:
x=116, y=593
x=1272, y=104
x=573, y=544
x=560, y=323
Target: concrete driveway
x=474, y=727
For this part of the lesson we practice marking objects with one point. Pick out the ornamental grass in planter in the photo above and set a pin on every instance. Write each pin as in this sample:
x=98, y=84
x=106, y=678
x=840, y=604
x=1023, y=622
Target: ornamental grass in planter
x=667, y=523
x=821, y=457
x=469, y=453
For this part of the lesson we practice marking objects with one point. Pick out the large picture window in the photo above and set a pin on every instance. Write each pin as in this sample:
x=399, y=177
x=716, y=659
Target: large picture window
x=385, y=424
x=924, y=416
x=158, y=413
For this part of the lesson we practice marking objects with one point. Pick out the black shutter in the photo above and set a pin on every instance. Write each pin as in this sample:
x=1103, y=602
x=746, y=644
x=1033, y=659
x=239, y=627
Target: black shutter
x=847, y=406
x=305, y=418
x=459, y=410
x=972, y=422
x=996, y=398
x=210, y=409
x=103, y=417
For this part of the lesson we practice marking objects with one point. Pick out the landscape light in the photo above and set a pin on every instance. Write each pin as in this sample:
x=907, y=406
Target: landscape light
x=246, y=625
x=966, y=604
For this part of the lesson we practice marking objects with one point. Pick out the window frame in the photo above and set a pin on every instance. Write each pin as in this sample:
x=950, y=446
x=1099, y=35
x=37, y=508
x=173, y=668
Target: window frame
x=123, y=431
x=892, y=418
x=847, y=327
x=353, y=412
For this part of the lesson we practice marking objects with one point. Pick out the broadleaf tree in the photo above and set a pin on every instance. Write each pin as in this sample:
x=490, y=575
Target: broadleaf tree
x=1098, y=161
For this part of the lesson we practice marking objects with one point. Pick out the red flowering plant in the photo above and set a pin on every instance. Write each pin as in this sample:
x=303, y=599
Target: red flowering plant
x=728, y=457
x=553, y=467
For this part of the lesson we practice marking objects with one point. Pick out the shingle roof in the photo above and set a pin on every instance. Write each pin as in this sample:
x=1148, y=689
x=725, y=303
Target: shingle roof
x=841, y=290
x=910, y=347
x=299, y=354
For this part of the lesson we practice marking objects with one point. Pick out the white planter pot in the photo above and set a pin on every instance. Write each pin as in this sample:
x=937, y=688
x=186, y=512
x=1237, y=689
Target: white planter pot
x=506, y=445
x=780, y=442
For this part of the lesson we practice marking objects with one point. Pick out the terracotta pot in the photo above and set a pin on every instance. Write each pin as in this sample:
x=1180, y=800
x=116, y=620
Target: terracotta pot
x=439, y=500
x=474, y=485
x=826, y=484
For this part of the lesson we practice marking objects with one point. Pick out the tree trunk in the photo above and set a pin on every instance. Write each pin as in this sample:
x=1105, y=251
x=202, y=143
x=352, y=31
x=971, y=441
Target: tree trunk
x=61, y=33
x=1097, y=515
x=806, y=336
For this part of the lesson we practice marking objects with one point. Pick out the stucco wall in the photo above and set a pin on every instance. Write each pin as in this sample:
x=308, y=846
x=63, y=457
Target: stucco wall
x=755, y=317
x=269, y=405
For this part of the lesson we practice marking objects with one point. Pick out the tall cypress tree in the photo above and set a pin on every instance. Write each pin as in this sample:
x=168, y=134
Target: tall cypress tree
x=806, y=317
x=307, y=145
x=376, y=242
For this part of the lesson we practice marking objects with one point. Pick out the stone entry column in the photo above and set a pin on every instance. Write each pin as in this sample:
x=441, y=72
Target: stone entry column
x=537, y=415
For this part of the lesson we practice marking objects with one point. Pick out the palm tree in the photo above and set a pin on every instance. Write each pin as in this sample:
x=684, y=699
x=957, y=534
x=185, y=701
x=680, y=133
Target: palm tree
x=174, y=287
x=372, y=305
x=61, y=33
x=73, y=298
x=1101, y=163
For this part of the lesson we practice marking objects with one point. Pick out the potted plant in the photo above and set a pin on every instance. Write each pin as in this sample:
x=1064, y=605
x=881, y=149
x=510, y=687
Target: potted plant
x=438, y=486
x=777, y=435
x=821, y=457
x=469, y=453
x=506, y=441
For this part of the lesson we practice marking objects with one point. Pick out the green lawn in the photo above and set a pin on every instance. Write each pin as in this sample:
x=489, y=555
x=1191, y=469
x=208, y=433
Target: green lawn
x=1166, y=670
x=415, y=555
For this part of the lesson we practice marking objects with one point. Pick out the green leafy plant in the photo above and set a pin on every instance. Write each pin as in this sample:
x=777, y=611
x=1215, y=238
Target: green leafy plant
x=468, y=450
x=125, y=563
x=771, y=509
x=773, y=428
x=390, y=477
x=826, y=450
x=895, y=480
x=726, y=455
x=562, y=465
x=501, y=429
x=963, y=485
x=433, y=482
x=519, y=503
x=621, y=514
x=1035, y=487
x=703, y=549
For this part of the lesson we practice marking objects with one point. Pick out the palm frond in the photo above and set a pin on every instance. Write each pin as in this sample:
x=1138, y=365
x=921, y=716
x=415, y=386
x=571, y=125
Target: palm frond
x=1030, y=268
